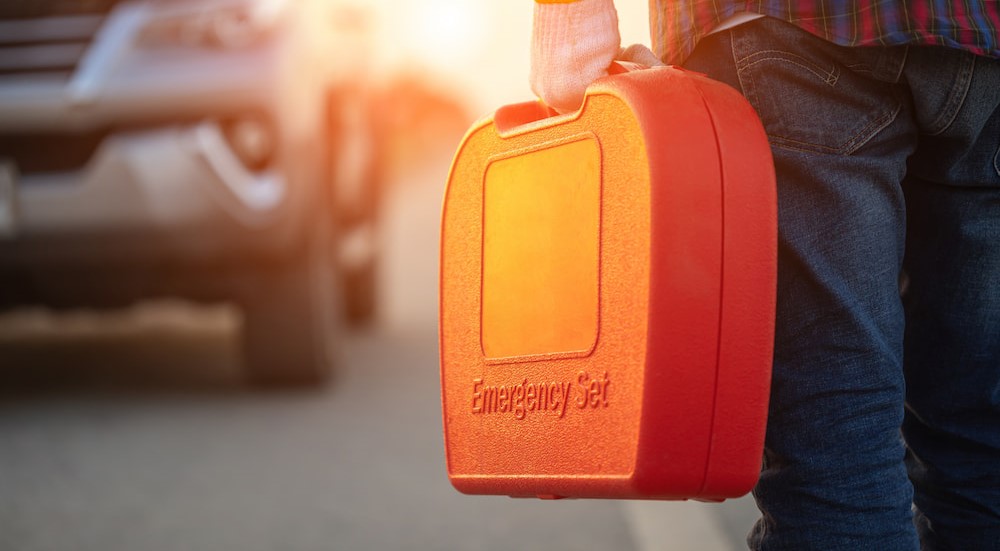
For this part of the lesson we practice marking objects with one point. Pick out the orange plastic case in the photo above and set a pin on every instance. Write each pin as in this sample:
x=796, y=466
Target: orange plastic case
x=607, y=295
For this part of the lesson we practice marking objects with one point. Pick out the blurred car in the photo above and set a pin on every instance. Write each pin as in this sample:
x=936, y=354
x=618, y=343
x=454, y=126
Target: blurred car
x=215, y=150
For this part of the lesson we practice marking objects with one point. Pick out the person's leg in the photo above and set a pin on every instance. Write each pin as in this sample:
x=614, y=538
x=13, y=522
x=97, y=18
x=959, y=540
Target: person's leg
x=840, y=130
x=952, y=346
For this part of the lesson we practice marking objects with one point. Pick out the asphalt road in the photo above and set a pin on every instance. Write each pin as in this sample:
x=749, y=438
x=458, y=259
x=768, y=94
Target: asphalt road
x=134, y=431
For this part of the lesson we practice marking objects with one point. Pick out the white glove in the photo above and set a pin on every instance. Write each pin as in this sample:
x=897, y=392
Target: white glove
x=640, y=54
x=573, y=42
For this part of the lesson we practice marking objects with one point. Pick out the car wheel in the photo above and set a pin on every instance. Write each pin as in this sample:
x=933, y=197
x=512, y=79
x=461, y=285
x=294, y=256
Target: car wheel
x=291, y=316
x=358, y=272
x=357, y=170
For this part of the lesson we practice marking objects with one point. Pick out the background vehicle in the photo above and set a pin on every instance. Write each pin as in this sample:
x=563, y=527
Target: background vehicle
x=216, y=150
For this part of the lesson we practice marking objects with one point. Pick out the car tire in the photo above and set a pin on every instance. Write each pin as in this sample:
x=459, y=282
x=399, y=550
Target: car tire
x=360, y=294
x=291, y=315
x=358, y=195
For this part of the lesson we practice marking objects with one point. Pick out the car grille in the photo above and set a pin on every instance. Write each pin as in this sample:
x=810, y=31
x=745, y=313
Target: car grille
x=47, y=36
x=30, y=9
x=57, y=152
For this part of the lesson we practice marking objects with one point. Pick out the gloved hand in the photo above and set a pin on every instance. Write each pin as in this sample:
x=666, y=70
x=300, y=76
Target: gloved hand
x=640, y=54
x=573, y=42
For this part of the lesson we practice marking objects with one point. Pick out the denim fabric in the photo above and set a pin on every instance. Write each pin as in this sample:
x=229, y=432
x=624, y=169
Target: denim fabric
x=889, y=248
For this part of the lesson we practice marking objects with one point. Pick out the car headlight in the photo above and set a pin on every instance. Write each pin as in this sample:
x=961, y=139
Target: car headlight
x=228, y=26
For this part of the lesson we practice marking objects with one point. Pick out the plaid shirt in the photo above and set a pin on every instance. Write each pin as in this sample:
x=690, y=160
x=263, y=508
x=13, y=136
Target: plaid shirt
x=972, y=25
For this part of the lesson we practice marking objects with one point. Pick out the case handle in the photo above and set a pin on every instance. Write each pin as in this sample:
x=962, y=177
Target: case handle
x=509, y=118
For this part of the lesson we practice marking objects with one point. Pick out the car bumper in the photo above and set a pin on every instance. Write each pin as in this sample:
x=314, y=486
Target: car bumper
x=162, y=181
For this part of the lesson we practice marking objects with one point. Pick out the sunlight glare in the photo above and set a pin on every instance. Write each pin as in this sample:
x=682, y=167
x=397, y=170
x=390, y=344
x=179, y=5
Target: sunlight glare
x=479, y=48
x=448, y=32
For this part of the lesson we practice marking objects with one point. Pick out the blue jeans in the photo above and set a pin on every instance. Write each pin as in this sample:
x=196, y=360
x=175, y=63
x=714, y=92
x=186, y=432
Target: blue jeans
x=884, y=428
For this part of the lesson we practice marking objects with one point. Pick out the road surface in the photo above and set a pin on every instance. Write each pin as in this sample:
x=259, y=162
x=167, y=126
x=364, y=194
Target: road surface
x=133, y=431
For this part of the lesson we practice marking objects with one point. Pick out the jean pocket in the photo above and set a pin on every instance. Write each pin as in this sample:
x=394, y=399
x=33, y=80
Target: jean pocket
x=812, y=95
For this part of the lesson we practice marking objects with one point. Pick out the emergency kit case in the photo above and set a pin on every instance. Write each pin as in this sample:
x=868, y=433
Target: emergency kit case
x=607, y=295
